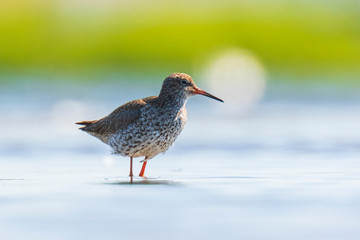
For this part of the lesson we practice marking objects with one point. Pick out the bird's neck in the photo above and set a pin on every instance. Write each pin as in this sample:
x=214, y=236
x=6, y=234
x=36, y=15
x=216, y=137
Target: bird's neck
x=172, y=102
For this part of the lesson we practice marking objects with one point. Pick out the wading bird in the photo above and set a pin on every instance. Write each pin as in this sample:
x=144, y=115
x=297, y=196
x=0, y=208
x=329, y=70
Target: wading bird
x=147, y=126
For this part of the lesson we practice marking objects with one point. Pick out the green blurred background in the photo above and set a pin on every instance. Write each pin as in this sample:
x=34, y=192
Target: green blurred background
x=302, y=41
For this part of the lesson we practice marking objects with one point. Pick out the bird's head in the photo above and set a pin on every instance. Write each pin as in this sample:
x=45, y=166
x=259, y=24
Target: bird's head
x=182, y=84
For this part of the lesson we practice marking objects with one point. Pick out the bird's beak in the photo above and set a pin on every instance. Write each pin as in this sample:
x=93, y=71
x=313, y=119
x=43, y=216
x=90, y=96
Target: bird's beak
x=202, y=92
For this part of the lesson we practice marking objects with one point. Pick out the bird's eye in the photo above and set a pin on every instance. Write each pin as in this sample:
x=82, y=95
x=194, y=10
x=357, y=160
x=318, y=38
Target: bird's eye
x=184, y=82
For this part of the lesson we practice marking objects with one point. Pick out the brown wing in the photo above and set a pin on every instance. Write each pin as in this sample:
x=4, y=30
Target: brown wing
x=120, y=118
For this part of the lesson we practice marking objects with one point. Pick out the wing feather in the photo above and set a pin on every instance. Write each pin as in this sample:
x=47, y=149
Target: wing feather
x=120, y=118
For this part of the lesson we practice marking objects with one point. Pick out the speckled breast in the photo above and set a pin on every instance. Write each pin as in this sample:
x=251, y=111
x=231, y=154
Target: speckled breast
x=153, y=133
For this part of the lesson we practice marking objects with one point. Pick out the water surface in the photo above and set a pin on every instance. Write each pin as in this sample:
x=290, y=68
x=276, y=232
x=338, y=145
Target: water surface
x=288, y=170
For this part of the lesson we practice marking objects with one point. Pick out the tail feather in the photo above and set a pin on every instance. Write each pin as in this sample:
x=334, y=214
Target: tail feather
x=85, y=124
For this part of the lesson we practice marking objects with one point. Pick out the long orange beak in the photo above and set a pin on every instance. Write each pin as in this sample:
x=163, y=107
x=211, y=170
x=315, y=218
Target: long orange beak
x=202, y=92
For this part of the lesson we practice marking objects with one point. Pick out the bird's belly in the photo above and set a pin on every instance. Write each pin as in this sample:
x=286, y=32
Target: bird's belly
x=139, y=140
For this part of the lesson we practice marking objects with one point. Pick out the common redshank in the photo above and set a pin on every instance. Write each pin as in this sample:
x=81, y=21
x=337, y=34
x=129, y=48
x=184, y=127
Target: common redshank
x=147, y=126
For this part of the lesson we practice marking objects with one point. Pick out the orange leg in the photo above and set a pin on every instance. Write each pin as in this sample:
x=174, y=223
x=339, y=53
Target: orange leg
x=131, y=171
x=142, y=172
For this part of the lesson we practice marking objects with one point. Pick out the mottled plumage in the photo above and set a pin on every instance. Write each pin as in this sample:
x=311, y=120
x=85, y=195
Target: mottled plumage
x=147, y=126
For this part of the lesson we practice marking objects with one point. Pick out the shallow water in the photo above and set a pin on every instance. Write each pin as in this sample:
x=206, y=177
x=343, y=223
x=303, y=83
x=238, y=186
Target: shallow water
x=288, y=170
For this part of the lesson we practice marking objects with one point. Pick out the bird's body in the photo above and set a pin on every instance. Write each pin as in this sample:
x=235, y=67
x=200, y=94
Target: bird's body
x=147, y=126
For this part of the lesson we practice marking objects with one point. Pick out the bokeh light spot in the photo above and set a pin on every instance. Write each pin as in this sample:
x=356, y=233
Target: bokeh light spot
x=237, y=77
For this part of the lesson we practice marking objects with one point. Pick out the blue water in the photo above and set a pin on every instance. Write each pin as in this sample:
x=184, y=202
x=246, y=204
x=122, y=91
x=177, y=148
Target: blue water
x=285, y=170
